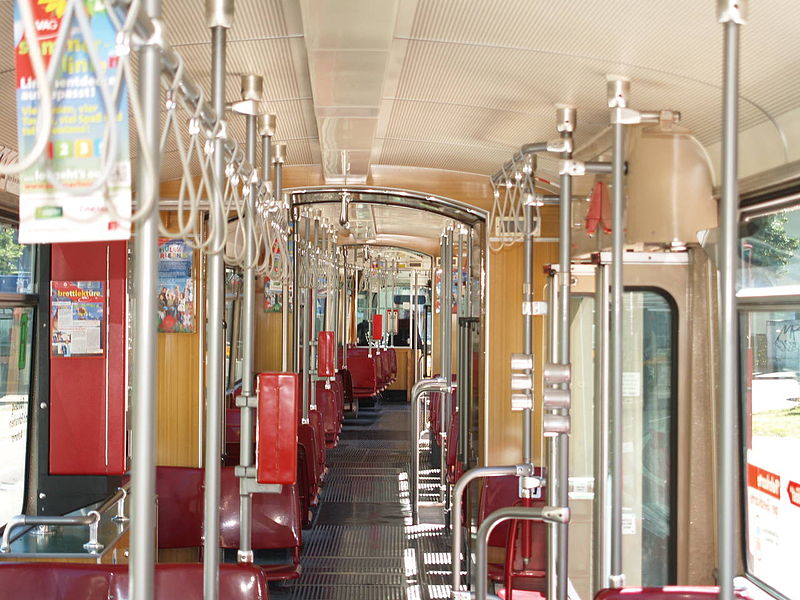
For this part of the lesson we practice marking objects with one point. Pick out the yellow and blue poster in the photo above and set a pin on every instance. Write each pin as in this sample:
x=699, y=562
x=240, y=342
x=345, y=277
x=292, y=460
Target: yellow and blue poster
x=53, y=207
x=176, y=304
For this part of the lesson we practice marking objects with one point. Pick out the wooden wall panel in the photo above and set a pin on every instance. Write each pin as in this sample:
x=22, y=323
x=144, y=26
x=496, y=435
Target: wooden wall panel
x=268, y=336
x=179, y=386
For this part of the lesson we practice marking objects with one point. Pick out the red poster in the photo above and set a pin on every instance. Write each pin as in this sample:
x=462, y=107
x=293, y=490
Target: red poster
x=794, y=493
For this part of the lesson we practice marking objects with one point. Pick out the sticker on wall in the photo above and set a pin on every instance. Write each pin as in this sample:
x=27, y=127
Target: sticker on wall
x=77, y=310
x=176, y=307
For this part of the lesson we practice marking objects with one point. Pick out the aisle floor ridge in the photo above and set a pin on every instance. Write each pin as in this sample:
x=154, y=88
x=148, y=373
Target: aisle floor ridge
x=362, y=545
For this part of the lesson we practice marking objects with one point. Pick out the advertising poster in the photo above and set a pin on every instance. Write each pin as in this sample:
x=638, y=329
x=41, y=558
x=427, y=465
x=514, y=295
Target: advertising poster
x=77, y=309
x=176, y=309
x=76, y=156
x=273, y=295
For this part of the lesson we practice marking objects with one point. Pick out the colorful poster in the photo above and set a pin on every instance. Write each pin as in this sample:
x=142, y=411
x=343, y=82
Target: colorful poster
x=273, y=295
x=79, y=150
x=77, y=310
x=176, y=310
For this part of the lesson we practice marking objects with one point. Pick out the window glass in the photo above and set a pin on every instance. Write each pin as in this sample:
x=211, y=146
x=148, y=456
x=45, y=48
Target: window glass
x=648, y=438
x=769, y=250
x=770, y=350
x=16, y=329
x=16, y=263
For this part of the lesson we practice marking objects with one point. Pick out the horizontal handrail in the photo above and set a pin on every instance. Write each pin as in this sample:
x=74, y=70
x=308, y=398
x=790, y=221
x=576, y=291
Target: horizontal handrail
x=552, y=514
x=92, y=520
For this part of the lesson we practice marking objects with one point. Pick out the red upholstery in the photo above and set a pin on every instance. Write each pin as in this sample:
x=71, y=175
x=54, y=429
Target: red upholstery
x=377, y=327
x=500, y=492
x=671, y=592
x=364, y=373
x=276, y=445
x=328, y=406
x=180, y=506
x=520, y=594
x=325, y=354
x=348, y=401
x=307, y=439
x=68, y=581
x=393, y=363
x=315, y=420
x=233, y=418
x=454, y=466
x=277, y=523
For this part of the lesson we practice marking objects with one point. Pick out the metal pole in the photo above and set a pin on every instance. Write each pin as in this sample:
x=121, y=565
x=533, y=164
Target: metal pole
x=527, y=321
x=145, y=359
x=251, y=90
x=413, y=324
x=731, y=15
x=566, y=119
x=311, y=337
x=552, y=514
x=297, y=287
x=447, y=357
x=346, y=311
x=423, y=386
x=551, y=449
x=219, y=15
x=601, y=400
x=305, y=315
x=617, y=100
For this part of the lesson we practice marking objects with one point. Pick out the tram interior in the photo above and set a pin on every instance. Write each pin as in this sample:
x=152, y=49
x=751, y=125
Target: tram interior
x=399, y=300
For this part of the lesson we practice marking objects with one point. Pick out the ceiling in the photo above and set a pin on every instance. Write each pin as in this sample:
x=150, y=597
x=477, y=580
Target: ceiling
x=461, y=84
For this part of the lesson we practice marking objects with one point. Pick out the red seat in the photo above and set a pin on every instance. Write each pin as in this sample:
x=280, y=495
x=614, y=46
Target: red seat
x=315, y=420
x=327, y=404
x=501, y=492
x=180, y=506
x=670, y=592
x=233, y=421
x=348, y=399
x=454, y=467
x=68, y=581
x=364, y=374
x=277, y=525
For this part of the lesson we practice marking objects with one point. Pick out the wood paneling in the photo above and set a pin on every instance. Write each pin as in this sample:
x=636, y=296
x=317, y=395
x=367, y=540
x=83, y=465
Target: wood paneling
x=179, y=385
x=268, y=336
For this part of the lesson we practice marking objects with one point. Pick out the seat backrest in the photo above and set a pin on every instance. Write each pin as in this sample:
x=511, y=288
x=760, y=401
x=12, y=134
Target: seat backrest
x=328, y=407
x=362, y=369
x=70, y=581
x=452, y=440
x=180, y=506
x=347, y=385
x=315, y=420
x=670, y=592
x=307, y=438
x=501, y=492
x=276, y=517
x=54, y=581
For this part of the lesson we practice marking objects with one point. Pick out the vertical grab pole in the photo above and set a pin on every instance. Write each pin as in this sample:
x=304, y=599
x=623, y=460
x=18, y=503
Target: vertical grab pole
x=732, y=14
x=566, y=120
x=305, y=312
x=145, y=361
x=345, y=310
x=413, y=324
x=252, y=89
x=601, y=399
x=447, y=358
x=551, y=450
x=527, y=310
x=311, y=315
x=297, y=286
x=219, y=16
x=617, y=101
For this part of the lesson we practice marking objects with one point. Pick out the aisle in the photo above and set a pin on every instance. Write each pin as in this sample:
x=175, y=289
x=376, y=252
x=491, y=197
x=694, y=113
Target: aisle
x=362, y=545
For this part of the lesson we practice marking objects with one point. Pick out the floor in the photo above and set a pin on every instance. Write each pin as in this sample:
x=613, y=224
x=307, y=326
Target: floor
x=362, y=545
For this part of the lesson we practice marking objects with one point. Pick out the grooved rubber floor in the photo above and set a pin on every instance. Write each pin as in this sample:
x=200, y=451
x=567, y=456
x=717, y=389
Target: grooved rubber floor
x=362, y=545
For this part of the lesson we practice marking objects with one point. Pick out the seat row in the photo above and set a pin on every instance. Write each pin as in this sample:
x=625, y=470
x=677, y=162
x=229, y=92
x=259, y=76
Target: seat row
x=372, y=370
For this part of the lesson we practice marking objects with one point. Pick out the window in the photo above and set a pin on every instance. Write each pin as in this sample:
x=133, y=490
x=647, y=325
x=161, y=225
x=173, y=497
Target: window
x=16, y=333
x=770, y=351
x=769, y=250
